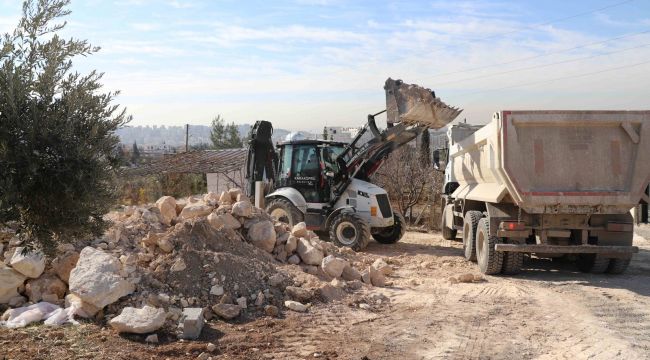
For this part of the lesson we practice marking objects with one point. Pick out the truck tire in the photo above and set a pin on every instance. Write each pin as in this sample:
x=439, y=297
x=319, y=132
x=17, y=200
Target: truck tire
x=350, y=230
x=284, y=211
x=447, y=232
x=392, y=234
x=512, y=263
x=469, y=234
x=618, y=266
x=592, y=263
x=489, y=260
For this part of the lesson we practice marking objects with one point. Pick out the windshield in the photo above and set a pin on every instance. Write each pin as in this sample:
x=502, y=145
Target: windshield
x=329, y=155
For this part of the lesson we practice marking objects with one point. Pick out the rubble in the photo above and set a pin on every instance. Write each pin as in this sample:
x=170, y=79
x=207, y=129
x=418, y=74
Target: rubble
x=139, y=321
x=195, y=210
x=62, y=265
x=30, y=264
x=295, y=306
x=217, y=256
x=308, y=253
x=97, y=278
x=226, y=311
x=152, y=339
x=333, y=266
x=383, y=267
x=262, y=235
x=191, y=323
x=167, y=207
x=10, y=280
x=35, y=289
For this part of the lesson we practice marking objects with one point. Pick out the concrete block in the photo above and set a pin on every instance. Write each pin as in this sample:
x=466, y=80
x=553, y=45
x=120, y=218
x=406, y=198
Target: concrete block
x=191, y=323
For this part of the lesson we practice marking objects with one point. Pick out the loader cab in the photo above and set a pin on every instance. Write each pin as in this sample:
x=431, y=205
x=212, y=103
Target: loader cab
x=306, y=165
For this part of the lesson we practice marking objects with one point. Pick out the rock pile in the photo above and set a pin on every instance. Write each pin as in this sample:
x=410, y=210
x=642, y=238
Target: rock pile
x=217, y=254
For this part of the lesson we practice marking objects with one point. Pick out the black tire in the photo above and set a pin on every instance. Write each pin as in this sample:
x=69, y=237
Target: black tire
x=512, y=263
x=291, y=216
x=489, y=260
x=469, y=233
x=392, y=234
x=618, y=266
x=353, y=230
x=593, y=263
x=447, y=233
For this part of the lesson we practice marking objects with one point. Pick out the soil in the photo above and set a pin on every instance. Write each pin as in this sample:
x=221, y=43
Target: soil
x=549, y=311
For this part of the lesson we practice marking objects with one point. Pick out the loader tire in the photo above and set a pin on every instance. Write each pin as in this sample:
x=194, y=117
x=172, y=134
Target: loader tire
x=489, y=260
x=392, y=234
x=470, y=224
x=618, y=266
x=350, y=230
x=284, y=211
x=592, y=263
x=512, y=263
x=447, y=232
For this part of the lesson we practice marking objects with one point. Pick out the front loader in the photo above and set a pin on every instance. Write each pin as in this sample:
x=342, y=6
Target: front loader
x=327, y=183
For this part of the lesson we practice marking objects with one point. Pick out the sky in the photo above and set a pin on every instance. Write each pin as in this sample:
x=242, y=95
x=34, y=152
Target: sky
x=304, y=64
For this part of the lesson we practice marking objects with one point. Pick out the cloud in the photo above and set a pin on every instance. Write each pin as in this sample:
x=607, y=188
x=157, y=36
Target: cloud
x=145, y=26
x=237, y=34
x=181, y=4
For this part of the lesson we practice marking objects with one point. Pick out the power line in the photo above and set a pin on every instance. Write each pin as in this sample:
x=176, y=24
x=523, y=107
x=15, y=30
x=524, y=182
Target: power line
x=535, y=26
x=542, y=65
x=558, y=79
x=540, y=55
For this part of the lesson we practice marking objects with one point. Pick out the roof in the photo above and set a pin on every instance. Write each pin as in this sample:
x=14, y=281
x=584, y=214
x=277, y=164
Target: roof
x=198, y=162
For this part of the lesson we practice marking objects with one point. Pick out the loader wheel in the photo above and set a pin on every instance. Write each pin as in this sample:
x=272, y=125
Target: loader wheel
x=512, y=263
x=447, y=233
x=618, y=266
x=469, y=234
x=593, y=263
x=392, y=234
x=284, y=211
x=489, y=260
x=349, y=229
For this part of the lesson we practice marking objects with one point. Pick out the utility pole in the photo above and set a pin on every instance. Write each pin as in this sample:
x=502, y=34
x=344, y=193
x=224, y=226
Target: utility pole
x=187, y=137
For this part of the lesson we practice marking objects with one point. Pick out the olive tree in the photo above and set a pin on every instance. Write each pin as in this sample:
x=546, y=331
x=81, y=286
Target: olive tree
x=57, y=132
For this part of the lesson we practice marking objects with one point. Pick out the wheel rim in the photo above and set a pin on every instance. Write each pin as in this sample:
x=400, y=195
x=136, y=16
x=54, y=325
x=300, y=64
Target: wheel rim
x=281, y=215
x=346, y=233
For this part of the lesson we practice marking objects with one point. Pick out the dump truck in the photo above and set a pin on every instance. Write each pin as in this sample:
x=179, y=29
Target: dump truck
x=548, y=183
x=327, y=184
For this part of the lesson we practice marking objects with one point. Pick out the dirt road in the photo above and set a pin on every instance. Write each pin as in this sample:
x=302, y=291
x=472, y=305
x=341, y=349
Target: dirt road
x=549, y=311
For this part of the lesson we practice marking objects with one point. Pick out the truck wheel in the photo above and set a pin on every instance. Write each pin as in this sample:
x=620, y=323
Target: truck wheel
x=284, y=211
x=489, y=260
x=592, y=263
x=618, y=266
x=469, y=233
x=349, y=229
x=447, y=232
x=512, y=263
x=392, y=234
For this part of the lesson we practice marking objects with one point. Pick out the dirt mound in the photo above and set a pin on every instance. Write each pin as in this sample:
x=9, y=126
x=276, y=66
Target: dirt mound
x=206, y=266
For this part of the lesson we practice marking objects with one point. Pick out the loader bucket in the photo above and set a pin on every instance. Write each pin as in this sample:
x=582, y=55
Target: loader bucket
x=415, y=105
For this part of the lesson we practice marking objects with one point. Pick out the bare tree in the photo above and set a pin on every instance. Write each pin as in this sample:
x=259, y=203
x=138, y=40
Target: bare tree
x=406, y=179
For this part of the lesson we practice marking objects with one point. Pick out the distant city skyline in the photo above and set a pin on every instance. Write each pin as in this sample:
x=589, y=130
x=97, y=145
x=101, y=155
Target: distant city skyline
x=305, y=64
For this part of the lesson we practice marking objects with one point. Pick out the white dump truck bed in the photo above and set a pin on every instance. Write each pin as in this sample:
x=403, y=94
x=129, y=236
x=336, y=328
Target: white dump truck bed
x=557, y=161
